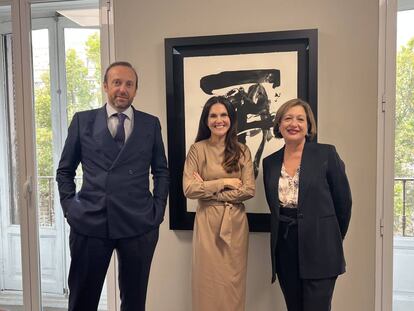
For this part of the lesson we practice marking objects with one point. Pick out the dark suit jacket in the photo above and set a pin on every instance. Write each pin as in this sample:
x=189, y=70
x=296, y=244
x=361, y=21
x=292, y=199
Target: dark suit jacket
x=324, y=209
x=115, y=200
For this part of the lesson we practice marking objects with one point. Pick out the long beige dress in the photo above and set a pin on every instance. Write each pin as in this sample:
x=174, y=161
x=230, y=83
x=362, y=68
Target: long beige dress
x=220, y=238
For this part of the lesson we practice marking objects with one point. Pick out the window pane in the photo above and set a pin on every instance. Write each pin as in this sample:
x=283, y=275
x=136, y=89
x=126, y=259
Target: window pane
x=403, y=283
x=43, y=123
x=83, y=70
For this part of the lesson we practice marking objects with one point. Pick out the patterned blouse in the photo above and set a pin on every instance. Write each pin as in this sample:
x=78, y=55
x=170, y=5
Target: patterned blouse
x=288, y=188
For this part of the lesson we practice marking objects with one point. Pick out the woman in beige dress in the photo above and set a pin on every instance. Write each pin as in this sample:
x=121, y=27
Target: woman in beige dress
x=218, y=172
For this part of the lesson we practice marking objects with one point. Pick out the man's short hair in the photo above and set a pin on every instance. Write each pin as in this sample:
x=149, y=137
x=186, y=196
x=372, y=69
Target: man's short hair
x=124, y=64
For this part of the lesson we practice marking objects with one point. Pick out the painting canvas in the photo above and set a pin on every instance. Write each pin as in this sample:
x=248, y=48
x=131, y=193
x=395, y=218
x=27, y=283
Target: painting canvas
x=257, y=73
x=248, y=87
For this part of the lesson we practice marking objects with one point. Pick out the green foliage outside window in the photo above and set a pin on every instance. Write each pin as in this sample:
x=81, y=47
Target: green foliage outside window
x=83, y=92
x=404, y=138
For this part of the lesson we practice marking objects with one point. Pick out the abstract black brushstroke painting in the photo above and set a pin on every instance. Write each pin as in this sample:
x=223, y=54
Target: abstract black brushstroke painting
x=257, y=73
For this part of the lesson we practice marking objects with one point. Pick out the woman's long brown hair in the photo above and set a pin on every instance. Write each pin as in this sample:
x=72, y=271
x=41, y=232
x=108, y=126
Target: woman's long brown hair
x=233, y=150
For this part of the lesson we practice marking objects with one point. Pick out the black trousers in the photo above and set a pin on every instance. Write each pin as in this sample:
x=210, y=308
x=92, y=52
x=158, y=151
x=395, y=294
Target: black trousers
x=300, y=294
x=89, y=264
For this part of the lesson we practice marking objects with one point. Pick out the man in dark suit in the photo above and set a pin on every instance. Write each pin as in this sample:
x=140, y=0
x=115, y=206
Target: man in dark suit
x=115, y=209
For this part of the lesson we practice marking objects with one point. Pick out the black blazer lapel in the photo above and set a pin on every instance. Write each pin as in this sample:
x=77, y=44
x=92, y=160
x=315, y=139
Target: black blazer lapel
x=274, y=175
x=307, y=166
x=272, y=167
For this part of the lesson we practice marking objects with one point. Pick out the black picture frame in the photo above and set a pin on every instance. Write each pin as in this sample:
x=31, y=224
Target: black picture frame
x=304, y=42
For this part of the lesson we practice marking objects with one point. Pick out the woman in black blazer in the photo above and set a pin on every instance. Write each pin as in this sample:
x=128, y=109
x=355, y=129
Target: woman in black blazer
x=310, y=202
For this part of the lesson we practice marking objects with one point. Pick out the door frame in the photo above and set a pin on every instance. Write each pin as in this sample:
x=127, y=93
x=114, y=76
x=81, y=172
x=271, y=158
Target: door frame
x=25, y=140
x=385, y=154
x=6, y=183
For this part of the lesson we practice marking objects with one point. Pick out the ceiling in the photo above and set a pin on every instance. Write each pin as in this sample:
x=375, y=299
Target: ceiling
x=84, y=11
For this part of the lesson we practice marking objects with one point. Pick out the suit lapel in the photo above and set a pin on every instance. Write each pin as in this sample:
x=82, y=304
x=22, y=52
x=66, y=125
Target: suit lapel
x=139, y=132
x=135, y=141
x=274, y=175
x=103, y=137
x=306, y=173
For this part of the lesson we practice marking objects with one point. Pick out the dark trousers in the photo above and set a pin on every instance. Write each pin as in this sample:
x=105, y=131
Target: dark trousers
x=89, y=264
x=300, y=294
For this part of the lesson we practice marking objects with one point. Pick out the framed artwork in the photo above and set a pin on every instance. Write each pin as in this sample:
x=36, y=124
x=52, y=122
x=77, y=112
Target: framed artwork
x=257, y=72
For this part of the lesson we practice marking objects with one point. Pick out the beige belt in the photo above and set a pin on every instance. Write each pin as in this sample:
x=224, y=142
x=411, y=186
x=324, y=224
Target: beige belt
x=226, y=227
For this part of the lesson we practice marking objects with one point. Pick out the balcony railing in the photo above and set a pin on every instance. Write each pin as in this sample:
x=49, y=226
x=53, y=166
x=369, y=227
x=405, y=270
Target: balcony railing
x=404, y=206
x=403, y=203
x=46, y=186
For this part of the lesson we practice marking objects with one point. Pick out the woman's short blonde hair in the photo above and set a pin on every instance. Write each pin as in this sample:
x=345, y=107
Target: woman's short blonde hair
x=309, y=117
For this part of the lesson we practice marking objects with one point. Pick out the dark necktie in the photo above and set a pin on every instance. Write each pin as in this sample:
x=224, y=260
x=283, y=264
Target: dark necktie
x=120, y=130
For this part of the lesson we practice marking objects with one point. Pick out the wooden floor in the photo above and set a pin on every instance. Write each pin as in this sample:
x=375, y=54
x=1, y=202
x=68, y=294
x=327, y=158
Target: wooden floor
x=13, y=301
x=20, y=308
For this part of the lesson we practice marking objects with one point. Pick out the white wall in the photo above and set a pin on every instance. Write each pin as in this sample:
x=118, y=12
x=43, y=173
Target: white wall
x=347, y=99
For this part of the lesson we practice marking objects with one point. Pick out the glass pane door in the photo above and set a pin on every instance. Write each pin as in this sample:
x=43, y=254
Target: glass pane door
x=10, y=243
x=66, y=77
x=403, y=270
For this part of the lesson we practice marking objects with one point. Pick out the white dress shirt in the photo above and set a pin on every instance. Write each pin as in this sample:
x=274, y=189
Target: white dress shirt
x=113, y=120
